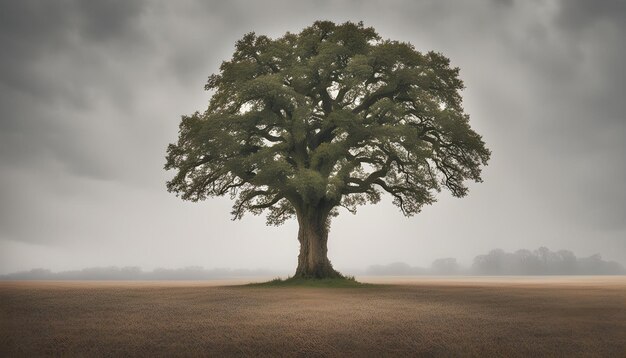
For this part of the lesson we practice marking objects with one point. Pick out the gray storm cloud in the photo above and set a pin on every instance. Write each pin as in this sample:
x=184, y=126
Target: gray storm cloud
x=91, y=94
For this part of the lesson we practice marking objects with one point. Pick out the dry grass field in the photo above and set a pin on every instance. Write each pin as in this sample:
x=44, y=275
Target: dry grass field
x=516, y=316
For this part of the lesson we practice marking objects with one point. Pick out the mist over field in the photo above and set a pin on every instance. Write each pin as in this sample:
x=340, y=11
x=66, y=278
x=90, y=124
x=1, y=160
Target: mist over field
x=136, y=273
x=497, y=262
x=521, y=262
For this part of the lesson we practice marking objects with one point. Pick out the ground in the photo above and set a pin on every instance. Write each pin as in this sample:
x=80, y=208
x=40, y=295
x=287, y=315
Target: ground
x=514, y=316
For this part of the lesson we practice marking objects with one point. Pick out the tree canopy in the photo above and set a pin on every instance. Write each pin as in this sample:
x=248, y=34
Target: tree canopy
x=329, y=117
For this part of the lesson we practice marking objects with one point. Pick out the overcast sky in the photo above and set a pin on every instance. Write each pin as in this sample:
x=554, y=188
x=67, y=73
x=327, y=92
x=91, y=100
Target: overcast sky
x=91, y=93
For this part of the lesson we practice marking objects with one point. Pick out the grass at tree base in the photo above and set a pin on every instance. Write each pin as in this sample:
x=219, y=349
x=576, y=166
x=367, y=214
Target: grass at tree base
x=342, y=282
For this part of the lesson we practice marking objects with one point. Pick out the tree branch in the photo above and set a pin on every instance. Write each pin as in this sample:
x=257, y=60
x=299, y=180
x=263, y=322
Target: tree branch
x=375, y=97
x=364, y=184
x=267, y=204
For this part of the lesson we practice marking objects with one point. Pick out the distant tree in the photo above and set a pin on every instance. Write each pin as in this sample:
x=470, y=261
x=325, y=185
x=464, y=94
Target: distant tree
x=489, y=263
x=445, y=266
x=567, y=263
x=543, y=262
x=330, y=117
x=594, y=265
x=526, y=263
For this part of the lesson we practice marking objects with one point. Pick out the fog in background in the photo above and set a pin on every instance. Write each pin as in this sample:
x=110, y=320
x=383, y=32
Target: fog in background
x=497, y=262
x=92, y=92
x=542, y=261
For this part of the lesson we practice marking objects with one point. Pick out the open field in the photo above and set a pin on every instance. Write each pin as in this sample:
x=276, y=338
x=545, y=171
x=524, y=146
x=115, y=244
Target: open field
x=470, y=316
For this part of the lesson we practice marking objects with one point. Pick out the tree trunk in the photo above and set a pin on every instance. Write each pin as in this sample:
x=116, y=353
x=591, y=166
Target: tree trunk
x=313, y=234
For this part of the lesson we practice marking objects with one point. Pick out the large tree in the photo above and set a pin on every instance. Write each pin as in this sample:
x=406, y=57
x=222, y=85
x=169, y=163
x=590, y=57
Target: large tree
x=330, y=117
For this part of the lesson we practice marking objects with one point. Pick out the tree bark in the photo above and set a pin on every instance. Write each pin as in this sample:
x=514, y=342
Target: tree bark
x=313, y=235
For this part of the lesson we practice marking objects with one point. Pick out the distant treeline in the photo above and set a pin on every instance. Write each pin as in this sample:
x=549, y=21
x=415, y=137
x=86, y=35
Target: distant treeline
x=521, y=262
x=497, y=262
x=136, y=273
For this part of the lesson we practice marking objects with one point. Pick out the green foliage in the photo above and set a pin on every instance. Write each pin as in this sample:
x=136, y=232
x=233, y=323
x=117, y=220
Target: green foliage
x=332, y=116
